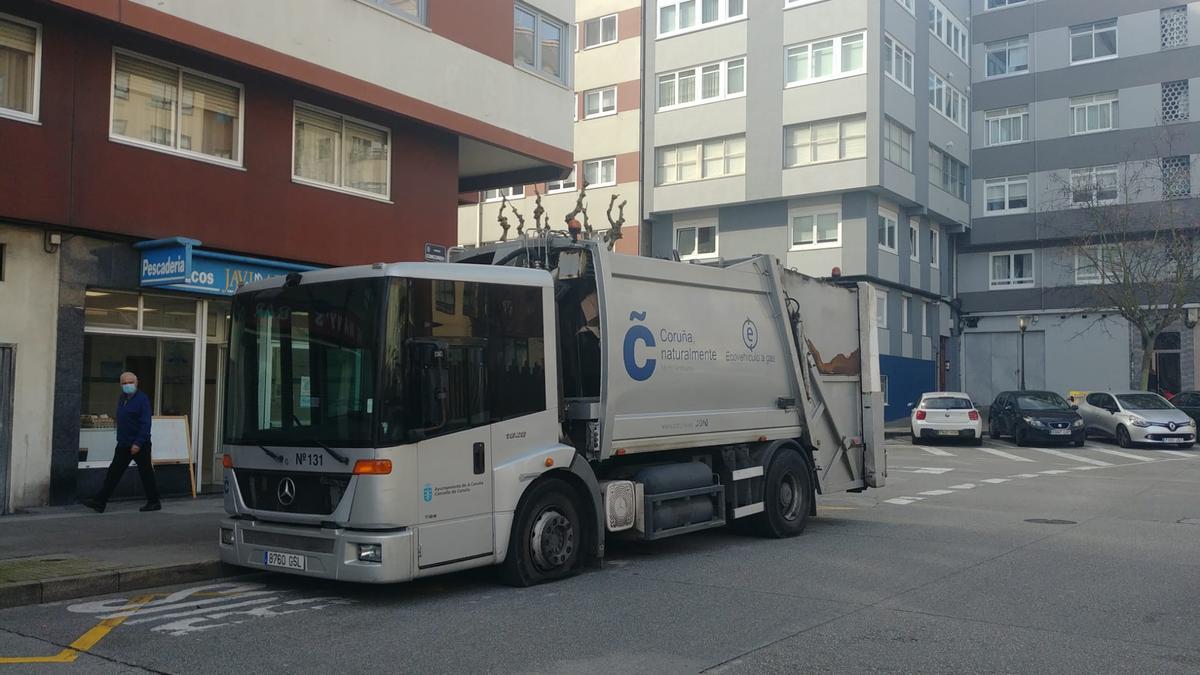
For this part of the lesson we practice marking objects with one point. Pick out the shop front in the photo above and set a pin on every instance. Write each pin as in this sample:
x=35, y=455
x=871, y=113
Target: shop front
x=171, y=330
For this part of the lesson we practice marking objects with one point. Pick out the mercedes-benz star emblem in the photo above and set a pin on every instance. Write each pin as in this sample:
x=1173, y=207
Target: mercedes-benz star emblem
x=286, y=492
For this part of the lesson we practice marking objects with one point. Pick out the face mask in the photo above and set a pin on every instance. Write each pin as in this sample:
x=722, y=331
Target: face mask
x=129, y=388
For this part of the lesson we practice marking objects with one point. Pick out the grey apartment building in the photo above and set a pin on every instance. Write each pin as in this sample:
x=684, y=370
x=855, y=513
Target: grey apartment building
x=1070, y=93
x=832, y=133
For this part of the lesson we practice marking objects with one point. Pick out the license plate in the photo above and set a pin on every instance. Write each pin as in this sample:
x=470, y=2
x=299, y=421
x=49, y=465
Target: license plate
x=947, y=432
x=290, y=561
x=1060, y=432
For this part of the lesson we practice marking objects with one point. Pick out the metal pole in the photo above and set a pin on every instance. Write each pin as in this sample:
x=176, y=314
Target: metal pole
x=1022, y=360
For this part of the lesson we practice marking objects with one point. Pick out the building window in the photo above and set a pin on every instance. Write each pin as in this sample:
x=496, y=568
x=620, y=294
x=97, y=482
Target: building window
x=165, y=107
x=20, y=68
x=1007, y=195
x=1097, y=112
x=914, y=239
x=905, y=311
x=514, y=192
x=409, y=9
x=827, y=141
x=897, y=144
x=1094, y=266
x=1094, y=185
x=935, y=246
x=826, y=59
x=924, y=318
x=908, y=5
x=1094, y=41
x=947, y=28
x=948, y=173
x=600, y=31
x=897, y=62
x=704, y=159
x=538, y=43
x=600, y=102
x=565, y=185
x=1173, y=23
x=948, y=101
x=600, y=172
x=696, y=242
x=680, y=16
x=887, y=231
x=1177, y=177
x=1007, y=125
x=1012, y=269
x=333, y=150
x=717, y=81
x=1175, y=101
x=881, y=309
x=816, y=229
x=1007, y=57
x=997, y=4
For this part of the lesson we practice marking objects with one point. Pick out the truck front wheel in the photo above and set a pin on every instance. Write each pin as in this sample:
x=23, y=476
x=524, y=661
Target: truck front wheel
x=547, y=536
x=787, y=497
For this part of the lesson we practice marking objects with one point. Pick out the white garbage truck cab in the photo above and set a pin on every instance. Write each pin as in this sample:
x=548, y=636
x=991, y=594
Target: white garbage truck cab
x=521, y=405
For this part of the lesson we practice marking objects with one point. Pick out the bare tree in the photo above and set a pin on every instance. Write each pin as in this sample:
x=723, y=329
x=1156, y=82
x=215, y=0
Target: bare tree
x=615, y=233
x=1133, y=240
x=500, y=218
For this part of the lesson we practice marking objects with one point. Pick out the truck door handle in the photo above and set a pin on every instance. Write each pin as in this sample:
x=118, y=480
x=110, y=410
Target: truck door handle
x=477, y=456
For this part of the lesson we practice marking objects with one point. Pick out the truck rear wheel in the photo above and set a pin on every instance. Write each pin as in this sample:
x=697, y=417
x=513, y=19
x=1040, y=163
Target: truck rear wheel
x=547, y=536
x=787, y=496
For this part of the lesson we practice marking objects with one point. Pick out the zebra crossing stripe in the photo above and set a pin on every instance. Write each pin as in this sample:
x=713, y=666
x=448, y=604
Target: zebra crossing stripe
x=1073, y=458
x=1005, y=455
x=1118, y=453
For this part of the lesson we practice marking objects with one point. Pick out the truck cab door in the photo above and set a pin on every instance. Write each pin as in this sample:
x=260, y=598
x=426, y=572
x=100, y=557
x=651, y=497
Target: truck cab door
x=454, y=461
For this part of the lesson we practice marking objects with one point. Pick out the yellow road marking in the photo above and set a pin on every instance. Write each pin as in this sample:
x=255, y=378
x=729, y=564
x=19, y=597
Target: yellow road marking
x=84, y=642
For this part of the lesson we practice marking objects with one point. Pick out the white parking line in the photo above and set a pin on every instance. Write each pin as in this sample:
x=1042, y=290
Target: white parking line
x=1005, y=455
x=937, y=471
x=936, y=493
x=1053, y=472
x=935, y=451
x=1189, y=455
x=962, y=486
x=996, y=481
x=903, y=501
x=1073, y=458
x=1025, y=475
x=1118, y=453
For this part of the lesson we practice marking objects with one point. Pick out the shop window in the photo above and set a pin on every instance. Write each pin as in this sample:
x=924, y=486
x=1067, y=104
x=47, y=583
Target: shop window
x=169, y=314
x=111, y=309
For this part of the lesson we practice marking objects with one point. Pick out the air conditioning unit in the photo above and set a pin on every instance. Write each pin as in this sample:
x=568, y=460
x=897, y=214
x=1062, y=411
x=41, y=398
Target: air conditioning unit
x=620, y=504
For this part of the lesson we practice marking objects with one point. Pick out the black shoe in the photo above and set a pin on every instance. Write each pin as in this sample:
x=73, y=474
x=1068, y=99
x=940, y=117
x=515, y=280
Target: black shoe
x=93, y=504
x=152, y=506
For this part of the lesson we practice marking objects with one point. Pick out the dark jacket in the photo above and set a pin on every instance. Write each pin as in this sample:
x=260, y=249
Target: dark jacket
x=133, y=419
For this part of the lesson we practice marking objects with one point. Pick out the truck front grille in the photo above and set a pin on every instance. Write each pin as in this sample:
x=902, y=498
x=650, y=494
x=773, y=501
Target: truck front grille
x=293, y=541
x=300, y=492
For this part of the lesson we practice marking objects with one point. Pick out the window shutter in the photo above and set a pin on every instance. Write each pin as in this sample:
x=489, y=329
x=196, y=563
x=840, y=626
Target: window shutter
x=319, y=120
x=147, y=70
x=211, y=95
x=18, y=36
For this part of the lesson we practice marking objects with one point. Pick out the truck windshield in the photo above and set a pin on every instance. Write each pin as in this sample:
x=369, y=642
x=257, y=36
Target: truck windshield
x=302, y=365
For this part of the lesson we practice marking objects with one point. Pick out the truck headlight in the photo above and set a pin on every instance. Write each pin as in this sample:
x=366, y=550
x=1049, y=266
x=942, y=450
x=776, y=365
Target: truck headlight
x=1077, y=423
x=372, y=553
x=1140, y=423
x=226, y=536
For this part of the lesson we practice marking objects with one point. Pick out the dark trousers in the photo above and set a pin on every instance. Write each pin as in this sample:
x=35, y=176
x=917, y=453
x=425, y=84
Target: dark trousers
x=121, y=459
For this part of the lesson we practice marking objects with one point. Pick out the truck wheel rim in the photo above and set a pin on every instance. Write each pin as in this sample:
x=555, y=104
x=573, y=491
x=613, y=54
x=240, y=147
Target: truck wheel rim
x=789, y=497
x=552, y=540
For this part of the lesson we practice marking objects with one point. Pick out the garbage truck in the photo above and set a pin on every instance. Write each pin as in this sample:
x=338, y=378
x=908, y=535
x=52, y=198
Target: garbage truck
x=532, y=400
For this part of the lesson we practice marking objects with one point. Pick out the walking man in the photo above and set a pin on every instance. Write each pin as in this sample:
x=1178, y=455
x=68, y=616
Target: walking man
x=133, y=444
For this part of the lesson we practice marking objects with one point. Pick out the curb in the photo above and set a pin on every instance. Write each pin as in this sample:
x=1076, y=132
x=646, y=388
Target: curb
x=894, y=434
x=114, y=581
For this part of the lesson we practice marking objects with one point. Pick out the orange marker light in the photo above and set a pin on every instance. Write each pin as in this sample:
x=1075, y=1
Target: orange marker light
x=549, y=462
x=376, y=467
x=227, y=461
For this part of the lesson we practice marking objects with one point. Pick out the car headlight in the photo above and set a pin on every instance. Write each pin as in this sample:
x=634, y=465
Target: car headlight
x=1035, y=423
x=1077, y=423
x=1140, y=423
x=1189, y=423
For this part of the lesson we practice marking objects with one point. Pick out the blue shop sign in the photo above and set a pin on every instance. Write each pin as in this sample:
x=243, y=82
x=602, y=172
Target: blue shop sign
x=177, y=264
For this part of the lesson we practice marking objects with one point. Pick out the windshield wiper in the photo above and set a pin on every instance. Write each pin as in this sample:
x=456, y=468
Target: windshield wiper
x=275, y=456
x=335, y=454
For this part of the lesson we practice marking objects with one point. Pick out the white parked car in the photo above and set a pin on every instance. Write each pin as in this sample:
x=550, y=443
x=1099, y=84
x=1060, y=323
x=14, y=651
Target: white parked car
x=946, y=415
x=1137, y=417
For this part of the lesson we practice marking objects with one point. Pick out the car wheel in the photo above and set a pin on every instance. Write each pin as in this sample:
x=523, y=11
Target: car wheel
x=914, y=439
x=1123, y=439
x=1078, y=444
x=992, y=430
x=978, y=441
x=1019, y=437
x=546, y=538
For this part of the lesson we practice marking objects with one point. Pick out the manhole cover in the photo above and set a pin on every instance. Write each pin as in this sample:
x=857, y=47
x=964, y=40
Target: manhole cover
x=1050, y=521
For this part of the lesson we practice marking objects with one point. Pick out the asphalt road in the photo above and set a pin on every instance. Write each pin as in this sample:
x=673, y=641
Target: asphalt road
x=942, y=571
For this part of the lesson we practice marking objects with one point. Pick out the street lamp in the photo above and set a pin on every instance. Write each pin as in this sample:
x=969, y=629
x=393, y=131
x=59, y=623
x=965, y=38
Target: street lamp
x=1022, y=325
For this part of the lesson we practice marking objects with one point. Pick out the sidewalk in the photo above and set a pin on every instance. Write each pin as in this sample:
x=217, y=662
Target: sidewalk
x=57, y=553
x=900, y=427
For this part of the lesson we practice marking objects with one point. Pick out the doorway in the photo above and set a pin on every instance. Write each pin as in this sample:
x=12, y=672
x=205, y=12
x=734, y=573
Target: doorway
x=1167, y=376
x=7, y=383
